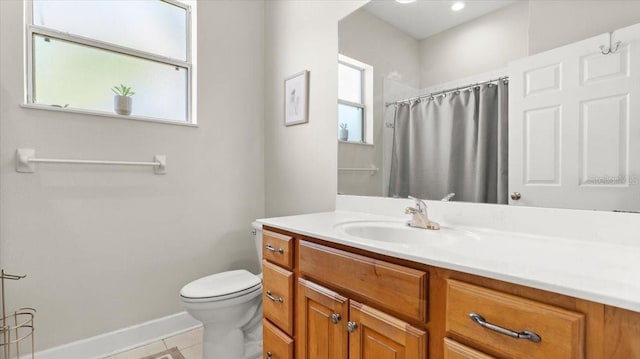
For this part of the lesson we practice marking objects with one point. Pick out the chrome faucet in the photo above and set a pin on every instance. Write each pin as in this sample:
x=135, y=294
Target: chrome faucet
x=419, y=217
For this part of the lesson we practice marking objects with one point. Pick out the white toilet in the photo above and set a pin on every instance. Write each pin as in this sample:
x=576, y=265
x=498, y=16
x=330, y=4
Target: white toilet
x=229, y=305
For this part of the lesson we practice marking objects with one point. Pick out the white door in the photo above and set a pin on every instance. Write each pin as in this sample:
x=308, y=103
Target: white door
x=574, y=125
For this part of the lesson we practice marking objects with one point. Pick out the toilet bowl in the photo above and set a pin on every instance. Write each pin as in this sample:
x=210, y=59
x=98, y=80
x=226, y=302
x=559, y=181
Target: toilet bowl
x=229, y=305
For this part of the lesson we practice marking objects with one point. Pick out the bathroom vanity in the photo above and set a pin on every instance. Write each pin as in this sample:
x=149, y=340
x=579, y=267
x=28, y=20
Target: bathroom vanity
x=330, y=292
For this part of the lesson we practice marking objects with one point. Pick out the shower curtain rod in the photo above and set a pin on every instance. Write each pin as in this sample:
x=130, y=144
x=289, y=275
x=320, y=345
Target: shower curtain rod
x=445, y=92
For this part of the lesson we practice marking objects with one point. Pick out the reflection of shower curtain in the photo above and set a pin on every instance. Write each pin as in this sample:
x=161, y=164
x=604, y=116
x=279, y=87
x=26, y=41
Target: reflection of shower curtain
x=456, y=143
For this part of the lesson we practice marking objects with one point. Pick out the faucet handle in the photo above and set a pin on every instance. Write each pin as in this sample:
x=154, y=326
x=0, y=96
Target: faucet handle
x=420, y=203
x=448, y=197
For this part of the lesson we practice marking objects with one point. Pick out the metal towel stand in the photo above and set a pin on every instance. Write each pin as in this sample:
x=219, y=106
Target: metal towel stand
x=16, y=327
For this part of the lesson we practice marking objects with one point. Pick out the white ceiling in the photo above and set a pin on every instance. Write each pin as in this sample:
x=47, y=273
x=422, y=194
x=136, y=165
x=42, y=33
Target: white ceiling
x=424, y=18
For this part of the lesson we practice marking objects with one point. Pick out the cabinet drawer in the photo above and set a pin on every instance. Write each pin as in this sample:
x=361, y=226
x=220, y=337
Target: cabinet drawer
x=561, y=331
x=277, y=296
x=400, y=289
x=277, y=248
x=455, y=350
x=276, y=344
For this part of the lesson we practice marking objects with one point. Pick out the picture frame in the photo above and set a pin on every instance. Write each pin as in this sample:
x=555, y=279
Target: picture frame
x=296, y=99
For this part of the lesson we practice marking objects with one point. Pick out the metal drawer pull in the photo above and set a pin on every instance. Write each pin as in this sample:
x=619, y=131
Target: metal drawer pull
x=525, y=334
x=335, y=318
x=270, y=248
x=269, y=355
x=274, y=299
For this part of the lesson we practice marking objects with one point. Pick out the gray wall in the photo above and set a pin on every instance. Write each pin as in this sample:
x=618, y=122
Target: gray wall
x=301, y=161
x=525, y=28
x=106, y=248
x=557, y=23
x=484, y=44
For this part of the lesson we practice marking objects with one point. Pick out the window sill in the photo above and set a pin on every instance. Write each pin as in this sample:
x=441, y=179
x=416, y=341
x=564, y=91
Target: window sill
x=106, y=114
x=356, y=143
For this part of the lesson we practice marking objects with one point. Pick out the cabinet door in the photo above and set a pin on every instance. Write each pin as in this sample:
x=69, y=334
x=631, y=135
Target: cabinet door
x=376, y=335
x=321, y=328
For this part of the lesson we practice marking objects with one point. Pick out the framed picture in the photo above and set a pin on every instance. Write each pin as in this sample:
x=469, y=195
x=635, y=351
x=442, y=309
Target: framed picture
x=296, y=99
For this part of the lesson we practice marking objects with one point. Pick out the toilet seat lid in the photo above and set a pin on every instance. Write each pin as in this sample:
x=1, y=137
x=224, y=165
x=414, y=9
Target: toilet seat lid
x=221, y=284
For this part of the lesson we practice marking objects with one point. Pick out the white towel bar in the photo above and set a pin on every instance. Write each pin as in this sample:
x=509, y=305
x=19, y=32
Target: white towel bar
x=372, y=170
x=25, y=158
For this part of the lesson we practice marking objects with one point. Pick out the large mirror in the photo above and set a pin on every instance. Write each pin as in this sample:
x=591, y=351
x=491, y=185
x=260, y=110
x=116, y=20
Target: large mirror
x=531, y=103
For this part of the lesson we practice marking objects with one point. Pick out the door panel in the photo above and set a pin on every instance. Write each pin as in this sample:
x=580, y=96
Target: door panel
x=378, y=335
x=321, y=328
x=574, y=125
x=542, y=146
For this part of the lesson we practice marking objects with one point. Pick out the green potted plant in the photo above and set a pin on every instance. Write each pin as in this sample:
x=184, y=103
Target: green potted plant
x=122, y=102
x=343, y=135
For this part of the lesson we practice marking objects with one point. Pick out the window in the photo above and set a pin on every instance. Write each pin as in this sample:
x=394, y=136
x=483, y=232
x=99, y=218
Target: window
x=78, y=51
x=355, y=100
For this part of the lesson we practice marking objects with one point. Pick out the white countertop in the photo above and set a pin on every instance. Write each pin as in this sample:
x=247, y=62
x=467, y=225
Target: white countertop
x=607, y=273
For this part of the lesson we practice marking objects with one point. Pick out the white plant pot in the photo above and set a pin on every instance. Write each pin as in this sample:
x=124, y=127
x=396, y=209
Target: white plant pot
x=122, y=105
x=343, y=134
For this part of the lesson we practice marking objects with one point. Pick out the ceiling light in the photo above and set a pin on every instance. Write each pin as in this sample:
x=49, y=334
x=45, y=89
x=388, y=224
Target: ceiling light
x=405, y=1
x=457, y=6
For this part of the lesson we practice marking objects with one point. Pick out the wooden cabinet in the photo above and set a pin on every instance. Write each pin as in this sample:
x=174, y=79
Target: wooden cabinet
x=276, y=344
x=277, y=296
x=455, y=350
x=399, y=289
x=377, y=335
x=330, y=326
x=322, y=317
x=513, y=326
x=277, y=248
x=401, y=309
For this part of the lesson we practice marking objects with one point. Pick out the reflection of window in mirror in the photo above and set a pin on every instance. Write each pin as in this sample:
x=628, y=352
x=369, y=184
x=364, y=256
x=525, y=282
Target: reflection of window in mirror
x=355, y=101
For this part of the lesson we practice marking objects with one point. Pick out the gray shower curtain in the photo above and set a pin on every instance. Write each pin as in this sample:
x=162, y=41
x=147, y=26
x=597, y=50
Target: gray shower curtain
x=456, y=143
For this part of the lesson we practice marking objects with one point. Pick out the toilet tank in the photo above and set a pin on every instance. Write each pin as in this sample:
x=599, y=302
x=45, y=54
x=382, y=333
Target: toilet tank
x=256, y=233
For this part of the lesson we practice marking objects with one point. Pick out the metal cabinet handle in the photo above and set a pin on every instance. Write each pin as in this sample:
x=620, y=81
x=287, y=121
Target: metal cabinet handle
x=352, y=326
x=335, y=318
x=516, y=196
x=525, y=334
x=269, y=355
x=274, y=299
x=269, y=247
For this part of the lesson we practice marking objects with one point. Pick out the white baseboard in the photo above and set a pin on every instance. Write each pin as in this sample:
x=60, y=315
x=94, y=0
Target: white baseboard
x=121, y=340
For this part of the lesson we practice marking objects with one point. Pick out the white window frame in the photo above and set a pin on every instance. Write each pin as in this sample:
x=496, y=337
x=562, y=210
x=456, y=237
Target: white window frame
x=189, y=64
x=366, y=105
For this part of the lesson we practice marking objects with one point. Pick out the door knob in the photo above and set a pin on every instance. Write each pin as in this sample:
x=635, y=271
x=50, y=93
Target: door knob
x=351, y=326
x=516, y=196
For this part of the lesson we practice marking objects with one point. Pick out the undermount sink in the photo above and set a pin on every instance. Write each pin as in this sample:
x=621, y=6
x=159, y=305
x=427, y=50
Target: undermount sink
x=399, y=232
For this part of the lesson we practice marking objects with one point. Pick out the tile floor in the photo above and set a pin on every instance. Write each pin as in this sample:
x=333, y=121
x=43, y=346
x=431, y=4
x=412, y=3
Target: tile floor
x=189, y=343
